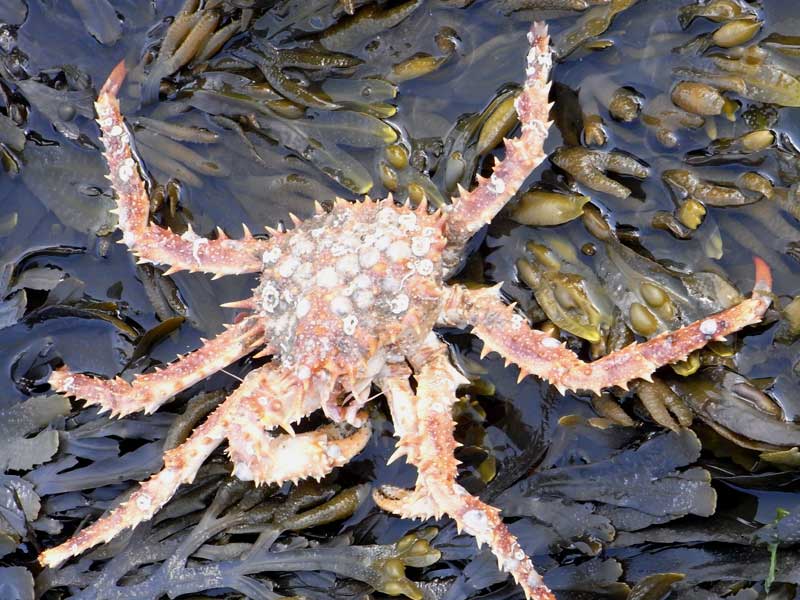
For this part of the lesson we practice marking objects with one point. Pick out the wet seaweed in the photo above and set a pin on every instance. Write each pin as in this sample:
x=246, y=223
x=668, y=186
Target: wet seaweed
x=18, y=452
x=244, y=111
x=621, y=489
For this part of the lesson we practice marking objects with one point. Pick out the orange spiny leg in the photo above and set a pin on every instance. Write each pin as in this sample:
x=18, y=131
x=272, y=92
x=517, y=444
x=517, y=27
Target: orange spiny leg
x=264, y=403
x=180, y=466
x=149, y=391
x=182, y=463
x=269, y=459
x=506, y=332
x=424, y=424
x=149, y=242
x=472, y=210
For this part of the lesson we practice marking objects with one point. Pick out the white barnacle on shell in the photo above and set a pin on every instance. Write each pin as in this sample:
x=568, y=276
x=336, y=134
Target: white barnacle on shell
x=338, y=249
x=420, y=246
x=408, y=221
x=143, y=502
x=125, y=171
x=535, y=580
x=368, y=256
x=347, y=265
x=288, y=266
x=363, y=281
x=475, y=521
x=271, y=255
x=302, y=308
x=334, y=452
x=424, y=267
x=708, y=327
x=341, y=305
x=364, y=299
x=327, y=278
x=303, y=273
x=398, y=251
x=386, y=215
x=496, y=184
x=399, y=304
x=349, y=324
x=303, y=247
x=391, y=285
x=196, y=243
x=270, y=297
x=549, y=342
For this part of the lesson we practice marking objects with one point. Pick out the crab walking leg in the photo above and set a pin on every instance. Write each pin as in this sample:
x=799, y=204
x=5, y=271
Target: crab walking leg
x=285, y=457
x=150, y=242
x=424, y=424
x=472, y=210
x=506, y=332
x=180, y=466
x=280, y=401
x=149, y=391
x=182, y=463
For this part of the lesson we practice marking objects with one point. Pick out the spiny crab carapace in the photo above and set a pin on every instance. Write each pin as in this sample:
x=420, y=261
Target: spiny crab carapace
x=347, y=299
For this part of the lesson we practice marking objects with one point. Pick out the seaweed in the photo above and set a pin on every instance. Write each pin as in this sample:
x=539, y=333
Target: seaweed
x=244, y=111
x=188, y=552
x=16, y=583
x=632, y=488
x=18, y=452
x=100, y=20
x=19, y=507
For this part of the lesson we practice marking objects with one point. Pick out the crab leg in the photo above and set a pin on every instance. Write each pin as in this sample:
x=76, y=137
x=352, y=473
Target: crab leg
x=258, y=455
x=149, y=391
x=283, y=401
x=290, y=458
x=424, y=424
x=472, y=210
x=180, y=466
x=506, y=332
x=150, y=242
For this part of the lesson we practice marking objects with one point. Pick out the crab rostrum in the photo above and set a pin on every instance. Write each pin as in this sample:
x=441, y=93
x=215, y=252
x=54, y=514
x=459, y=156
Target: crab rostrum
x=349, y=299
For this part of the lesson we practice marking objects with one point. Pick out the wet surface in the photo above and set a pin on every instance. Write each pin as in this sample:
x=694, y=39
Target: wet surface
x=559, y=464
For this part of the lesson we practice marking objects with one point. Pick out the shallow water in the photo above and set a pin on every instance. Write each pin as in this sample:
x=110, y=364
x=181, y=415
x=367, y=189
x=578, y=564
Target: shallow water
x=56, y=207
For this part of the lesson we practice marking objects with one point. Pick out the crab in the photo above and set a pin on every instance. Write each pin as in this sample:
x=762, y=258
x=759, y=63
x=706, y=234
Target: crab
x=349, y=299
